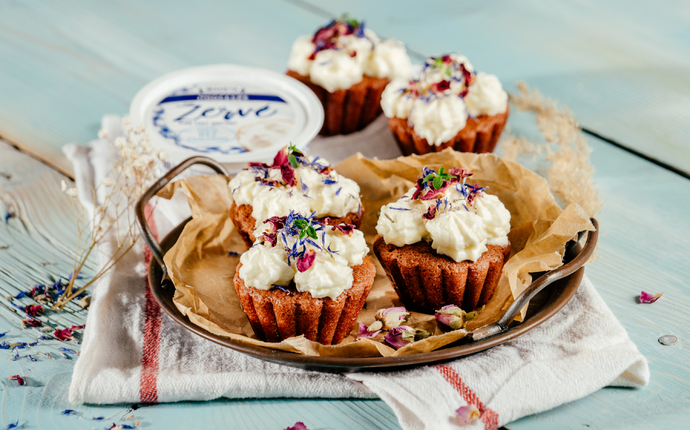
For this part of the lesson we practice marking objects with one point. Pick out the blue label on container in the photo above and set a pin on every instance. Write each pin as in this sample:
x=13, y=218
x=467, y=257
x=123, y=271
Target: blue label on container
x=223, y=119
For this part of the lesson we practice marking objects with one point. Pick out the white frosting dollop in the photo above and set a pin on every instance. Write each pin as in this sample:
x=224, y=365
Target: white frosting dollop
x=440, y=119
x=346, y=63
x=278, y=202
x=335, y=70
x=459, y=229
x=325, y=194
x=394, y=102
x=328, y=277
x=486, y=96
x=264, y=266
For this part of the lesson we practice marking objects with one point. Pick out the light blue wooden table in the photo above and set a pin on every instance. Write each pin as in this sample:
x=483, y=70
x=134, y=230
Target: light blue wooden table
x=623, y=68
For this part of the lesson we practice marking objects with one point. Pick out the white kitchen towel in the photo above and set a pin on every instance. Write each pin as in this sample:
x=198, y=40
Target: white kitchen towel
x=133, y=352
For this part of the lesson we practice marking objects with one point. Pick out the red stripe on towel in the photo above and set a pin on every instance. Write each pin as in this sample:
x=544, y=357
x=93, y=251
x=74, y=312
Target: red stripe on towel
x=489, y=417
x=148, y=391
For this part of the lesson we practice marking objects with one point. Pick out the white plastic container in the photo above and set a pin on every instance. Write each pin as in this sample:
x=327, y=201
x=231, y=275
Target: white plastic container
x=233, y=114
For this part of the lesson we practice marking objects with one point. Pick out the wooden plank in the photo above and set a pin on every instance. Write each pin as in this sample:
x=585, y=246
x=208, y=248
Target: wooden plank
x=64, y=67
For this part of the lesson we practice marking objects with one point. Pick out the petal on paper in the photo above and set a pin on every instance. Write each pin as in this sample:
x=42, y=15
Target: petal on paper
x=298, y=426
x=647, y=298
x=398, y=337
x=364, y=332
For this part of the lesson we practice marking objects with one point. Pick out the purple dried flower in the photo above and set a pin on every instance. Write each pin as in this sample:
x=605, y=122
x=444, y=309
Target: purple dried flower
x=370, y=331
x=451, y=316
x=400, y=336
x=298, y=426
x=392, y=317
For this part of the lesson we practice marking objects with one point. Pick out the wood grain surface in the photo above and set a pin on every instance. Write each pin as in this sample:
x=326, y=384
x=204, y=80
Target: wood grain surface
x=622, y=70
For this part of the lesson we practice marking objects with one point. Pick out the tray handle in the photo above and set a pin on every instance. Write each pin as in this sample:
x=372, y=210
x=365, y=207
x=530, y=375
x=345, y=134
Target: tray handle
x=154, y=189
x=539, y=284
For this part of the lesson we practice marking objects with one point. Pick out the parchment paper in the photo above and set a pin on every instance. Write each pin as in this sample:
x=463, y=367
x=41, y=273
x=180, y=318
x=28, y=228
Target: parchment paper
x=202, y=262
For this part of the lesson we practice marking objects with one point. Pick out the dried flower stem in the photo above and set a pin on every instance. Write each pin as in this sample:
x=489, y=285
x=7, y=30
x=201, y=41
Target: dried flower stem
x=137, y=166
x=570, y=170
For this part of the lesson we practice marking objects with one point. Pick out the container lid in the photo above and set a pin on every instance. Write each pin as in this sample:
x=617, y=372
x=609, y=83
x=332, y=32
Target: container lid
x=233, y=114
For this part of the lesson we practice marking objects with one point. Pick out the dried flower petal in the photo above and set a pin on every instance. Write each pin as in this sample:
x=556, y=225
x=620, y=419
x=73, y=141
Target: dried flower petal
x=17, y=378
x=10, y=426
x=392, y=317
x=451, y=316
x=647, y=298
x=31, y=322
x=399, y=336
x=468, y=414
x=345, y=229
x=305, y=262
x=298, y=426
x=369, y=332
x=33, y=310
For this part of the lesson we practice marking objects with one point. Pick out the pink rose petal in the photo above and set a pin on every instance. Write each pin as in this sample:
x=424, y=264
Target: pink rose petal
x=305, y=262
x=400, y=336
x=364, y=332
x=647, y=298
x=468, y=414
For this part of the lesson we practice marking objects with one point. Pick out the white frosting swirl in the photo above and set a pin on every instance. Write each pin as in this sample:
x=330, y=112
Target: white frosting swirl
x=265, y=266
x=345, y=65
x=440, y=119
x=326, y=195
x=434, y=103
x=278, y=202
x=335, y=70
x=328, y=277
x=458, y=230
x=486, y=96
x=394, y=102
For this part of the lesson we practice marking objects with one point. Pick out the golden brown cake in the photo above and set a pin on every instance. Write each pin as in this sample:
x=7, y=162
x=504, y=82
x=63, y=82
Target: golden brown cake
x=293, y=182
x=444, y=242
x=426, y=281
x=278, y=314
x=448, y=106
x=479, y=135
x=348, y=110
x=347, y=67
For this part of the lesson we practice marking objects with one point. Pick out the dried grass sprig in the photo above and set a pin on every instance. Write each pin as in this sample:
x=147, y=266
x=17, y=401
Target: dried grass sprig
x=137, y=165
x=570, y=170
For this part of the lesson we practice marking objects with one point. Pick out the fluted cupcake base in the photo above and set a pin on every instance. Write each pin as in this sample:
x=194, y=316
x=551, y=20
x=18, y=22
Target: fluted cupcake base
x=241, y=216
x=276, y=315
x=479, y=135
x=427, y=281
x=350, y=110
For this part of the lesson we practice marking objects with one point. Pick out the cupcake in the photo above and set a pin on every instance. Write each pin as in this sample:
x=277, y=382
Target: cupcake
x=449, y=106
x=302, y=277
x=347, y=67
x=293, y=182
x=444, y=242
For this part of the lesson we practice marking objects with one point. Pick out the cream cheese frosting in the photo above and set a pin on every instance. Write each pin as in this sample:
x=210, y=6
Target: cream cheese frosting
x=318, y=258
x=459, y=219
x=448, y=91
x=338, y=56
x=311, y=187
